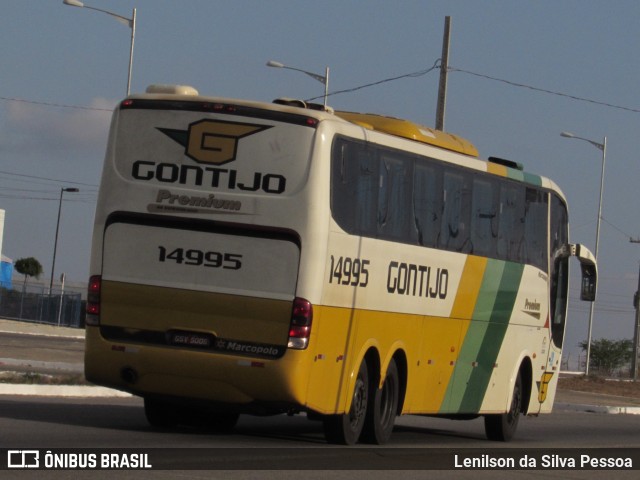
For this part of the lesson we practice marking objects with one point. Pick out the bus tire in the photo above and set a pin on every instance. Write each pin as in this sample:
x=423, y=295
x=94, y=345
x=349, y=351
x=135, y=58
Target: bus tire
x=161, y=414
x=221, y=422
x=346, y=428
x=383, y=408
x=502, y=427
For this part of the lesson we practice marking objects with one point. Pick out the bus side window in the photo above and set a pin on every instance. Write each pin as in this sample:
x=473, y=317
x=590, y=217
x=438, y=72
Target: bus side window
x=484, y=217
x=427, y=203
x=535, y=224
x=354, y=187
x=394, y=216
x=454, y=233
x=511, y=223
x=366, y=191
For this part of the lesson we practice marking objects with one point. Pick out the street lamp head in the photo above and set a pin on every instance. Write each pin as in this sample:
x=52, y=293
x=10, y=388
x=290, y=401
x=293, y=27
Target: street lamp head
x=320, y=78
x=71, y=189
x=600, y=146
x=73, y=3
x=128, y=22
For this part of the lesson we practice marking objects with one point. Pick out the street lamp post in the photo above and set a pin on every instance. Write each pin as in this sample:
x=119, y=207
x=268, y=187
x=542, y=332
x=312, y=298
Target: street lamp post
x=603, y=148
x=55, y=243
x=636, y=328
x=129, y=22
x=322, y=79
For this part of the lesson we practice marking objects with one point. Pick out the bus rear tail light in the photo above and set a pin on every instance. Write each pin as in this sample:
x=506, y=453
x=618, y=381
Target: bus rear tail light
x=300, y=329
x=93, y=300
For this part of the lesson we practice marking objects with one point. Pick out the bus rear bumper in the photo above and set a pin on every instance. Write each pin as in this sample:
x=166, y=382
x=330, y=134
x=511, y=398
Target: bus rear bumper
x=192, y=375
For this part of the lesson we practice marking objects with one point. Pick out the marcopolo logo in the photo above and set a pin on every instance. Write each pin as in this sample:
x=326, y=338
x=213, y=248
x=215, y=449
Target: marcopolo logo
x=212, y=141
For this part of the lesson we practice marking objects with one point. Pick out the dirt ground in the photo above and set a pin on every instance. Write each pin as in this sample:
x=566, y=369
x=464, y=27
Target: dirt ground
x=623, y=388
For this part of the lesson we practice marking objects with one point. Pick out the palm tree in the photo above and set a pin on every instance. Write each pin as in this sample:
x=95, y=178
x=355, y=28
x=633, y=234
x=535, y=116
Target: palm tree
x=29, y=267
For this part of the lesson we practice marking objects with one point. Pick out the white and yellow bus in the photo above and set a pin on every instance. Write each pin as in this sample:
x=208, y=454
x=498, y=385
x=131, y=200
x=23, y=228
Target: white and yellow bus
x=280, y=257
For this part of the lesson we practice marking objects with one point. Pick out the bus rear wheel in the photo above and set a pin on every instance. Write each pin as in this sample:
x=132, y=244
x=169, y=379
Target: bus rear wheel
x=503, y=426
x=383, y=408
x=221, y=422
x=161, y=414
x=346, y=428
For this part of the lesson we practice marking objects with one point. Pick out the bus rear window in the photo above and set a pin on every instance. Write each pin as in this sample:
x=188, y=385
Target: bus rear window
x=212, y=152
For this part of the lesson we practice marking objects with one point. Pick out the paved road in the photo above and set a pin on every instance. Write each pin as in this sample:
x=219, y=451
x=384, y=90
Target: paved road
x=42, y=348
x=109, y=422
x=294, y=443
x=120, y=422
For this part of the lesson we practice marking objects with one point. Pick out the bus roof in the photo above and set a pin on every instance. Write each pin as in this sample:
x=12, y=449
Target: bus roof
x=384, y=124
x=390, y=125
x=410, y=130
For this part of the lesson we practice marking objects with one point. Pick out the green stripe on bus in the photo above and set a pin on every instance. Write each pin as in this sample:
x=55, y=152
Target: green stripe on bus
x=533, y=179
x=485, y=335
x=493, y=339
x=524, y=177
x=515, y=174
x=472, y=342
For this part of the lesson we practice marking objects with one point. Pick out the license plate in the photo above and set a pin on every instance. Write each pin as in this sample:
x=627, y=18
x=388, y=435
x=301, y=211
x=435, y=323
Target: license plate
x=191, y=339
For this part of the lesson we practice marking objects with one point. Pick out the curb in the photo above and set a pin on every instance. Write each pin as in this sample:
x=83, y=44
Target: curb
x=598, y=409
x=60, y=391
x=39, y=329
x=40, y=366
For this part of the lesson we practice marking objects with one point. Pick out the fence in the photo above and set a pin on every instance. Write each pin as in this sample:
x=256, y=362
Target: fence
x=34, y=303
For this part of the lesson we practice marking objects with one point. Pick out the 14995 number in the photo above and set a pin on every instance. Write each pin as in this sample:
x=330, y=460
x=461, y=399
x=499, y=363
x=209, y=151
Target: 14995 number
x=349, y=271
x=231, y=261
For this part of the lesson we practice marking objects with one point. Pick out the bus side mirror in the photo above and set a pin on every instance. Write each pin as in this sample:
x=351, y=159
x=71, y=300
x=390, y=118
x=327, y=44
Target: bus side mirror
x=589, y=271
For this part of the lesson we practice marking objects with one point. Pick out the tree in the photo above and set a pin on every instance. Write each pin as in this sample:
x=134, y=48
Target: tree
x=29, y=267
x=609, y=355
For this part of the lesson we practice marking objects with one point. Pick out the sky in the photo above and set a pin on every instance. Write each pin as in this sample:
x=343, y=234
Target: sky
x=521, y=73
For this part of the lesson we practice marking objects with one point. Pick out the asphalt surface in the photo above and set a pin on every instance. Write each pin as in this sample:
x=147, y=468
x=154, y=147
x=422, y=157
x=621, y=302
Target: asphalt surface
x=51, y=350
x=63, y=353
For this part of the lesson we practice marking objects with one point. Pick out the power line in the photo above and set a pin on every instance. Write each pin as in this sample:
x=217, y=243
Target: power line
x=57, y=105
x=487, y=77
x=25, y=197
x=2, y=172
x=544, y=90
x=615, y=228
x=48, y=191
x=419, y=73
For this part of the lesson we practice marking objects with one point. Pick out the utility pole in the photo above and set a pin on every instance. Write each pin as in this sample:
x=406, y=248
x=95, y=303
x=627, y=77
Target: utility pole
x=444, y=67
x=636, y=330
